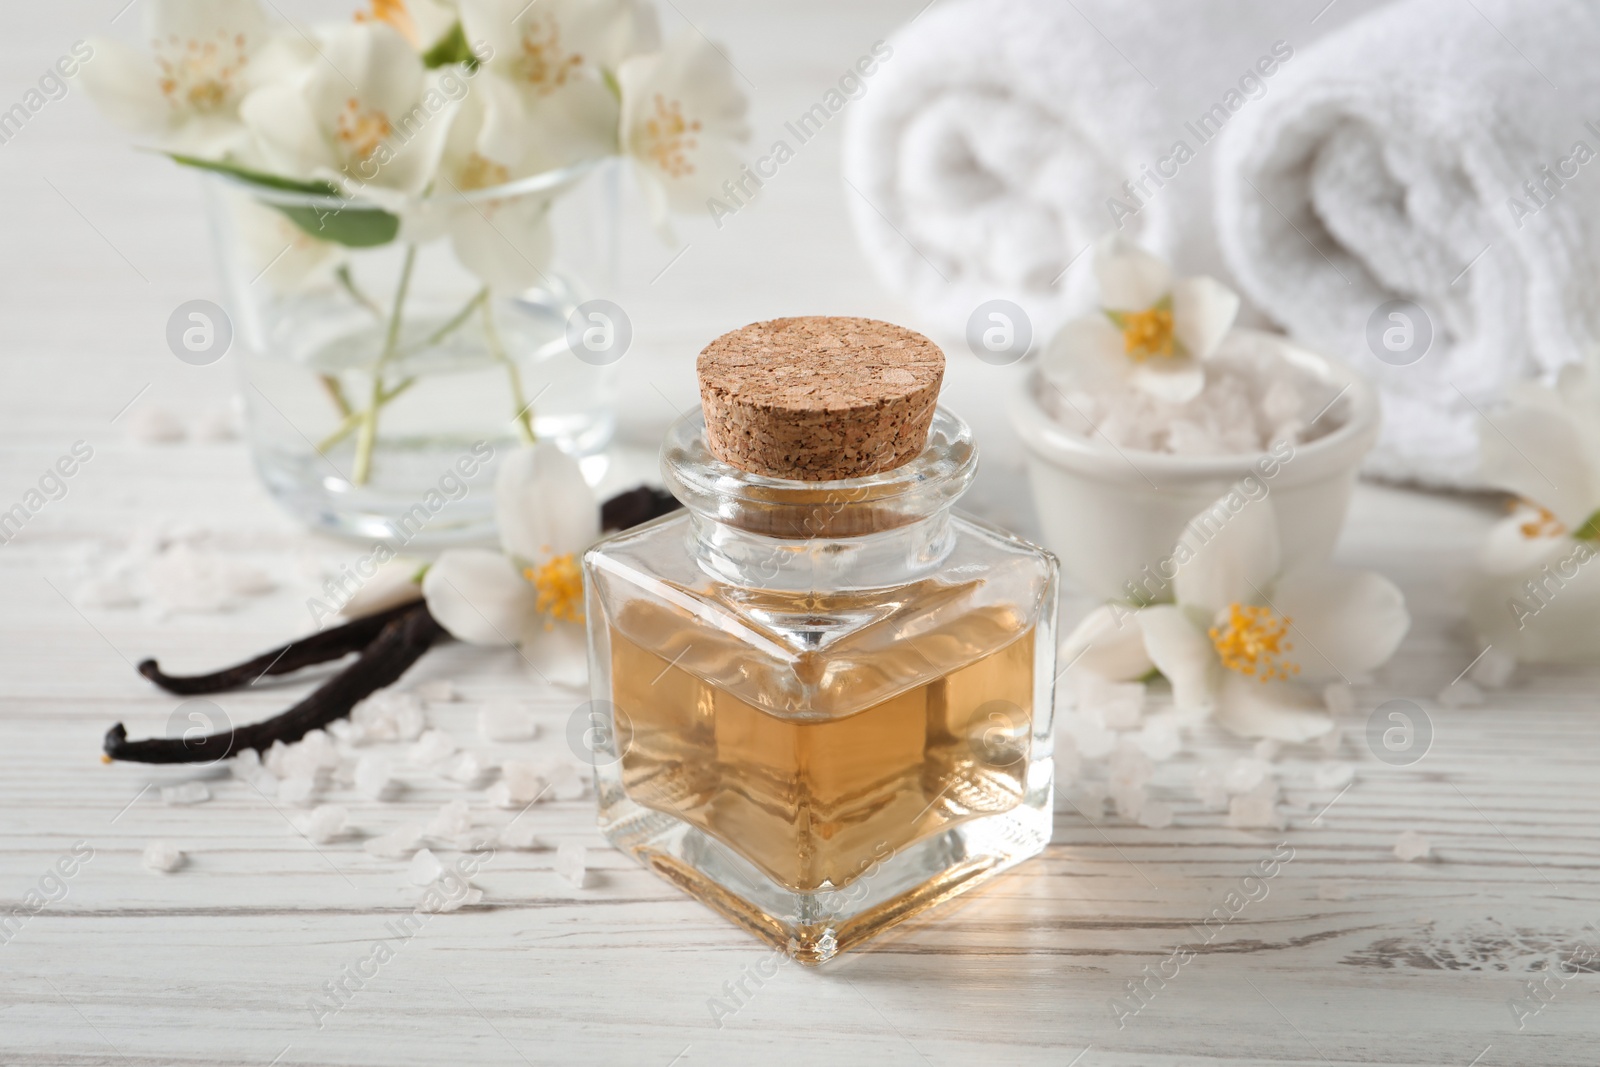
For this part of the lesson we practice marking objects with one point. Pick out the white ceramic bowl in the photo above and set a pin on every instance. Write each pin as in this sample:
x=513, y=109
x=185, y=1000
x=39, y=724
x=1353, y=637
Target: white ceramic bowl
x=1114, y=516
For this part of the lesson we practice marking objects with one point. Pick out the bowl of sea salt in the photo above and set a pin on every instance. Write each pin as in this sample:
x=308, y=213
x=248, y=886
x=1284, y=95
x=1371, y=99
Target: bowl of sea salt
x=1119, y=476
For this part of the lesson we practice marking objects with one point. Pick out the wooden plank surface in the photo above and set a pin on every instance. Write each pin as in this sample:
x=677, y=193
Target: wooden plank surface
x=1350, y=957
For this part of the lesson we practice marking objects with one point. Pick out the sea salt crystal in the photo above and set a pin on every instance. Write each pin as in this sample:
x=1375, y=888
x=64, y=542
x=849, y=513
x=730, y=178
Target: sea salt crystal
x=1117, y=705
x=499, y=796
x=1159, y=741
x=1493, y=669
x=572, y=863
x=453, y=821
x=437, y=691
x=297, y=790
x=524, y=781
x=326, y=822
x=106, y=592
x=455, y=901
x=1243, y=775
x=373, y=777
x=1129, y=800
x=506, y=722
x=163, y=856
x=1209, y=787
x=1256, y=809
x=464, y=768
x=185, y=793
x=397, y=844
x=571, y=783
x=1339, y=700
x=1155, y=815
x=425, y=868
x=1462, y=694
x=1267, y=749
x=390, y=716
x=519, y=835
x=1333, y=776
x=1281, y=402
x=1412, y=846
x=1094, y=741
x=150, y=424
x=431, y=747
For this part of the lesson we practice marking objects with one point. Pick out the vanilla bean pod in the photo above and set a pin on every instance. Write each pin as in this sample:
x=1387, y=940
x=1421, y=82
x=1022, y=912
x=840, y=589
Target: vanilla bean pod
x=302, y=652
x=399, y=644
x=636, y=506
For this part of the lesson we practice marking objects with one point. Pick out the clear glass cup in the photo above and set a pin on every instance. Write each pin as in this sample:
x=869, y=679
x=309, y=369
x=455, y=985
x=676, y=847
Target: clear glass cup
x=322, y=346
x=822, y=707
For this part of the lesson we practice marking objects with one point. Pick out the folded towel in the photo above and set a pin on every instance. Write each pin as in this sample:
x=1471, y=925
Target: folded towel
x=1402, y=159
x=993, y=147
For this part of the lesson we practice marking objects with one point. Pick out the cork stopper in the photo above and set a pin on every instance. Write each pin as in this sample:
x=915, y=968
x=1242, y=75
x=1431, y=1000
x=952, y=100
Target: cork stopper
x=819, y=398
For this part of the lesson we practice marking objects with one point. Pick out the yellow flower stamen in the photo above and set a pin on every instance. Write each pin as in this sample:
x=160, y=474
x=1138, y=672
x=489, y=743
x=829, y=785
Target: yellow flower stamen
x=668, y=137
x=544, y=64
x=361, y=130
x=560, y=586
x=1252, y=642
x=1147, y=333
x=481, y=172
x=201, y=75
x=1545, y=524
x=395, y=14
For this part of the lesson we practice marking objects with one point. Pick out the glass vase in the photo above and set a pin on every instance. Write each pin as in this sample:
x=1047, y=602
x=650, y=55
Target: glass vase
x=377, y=377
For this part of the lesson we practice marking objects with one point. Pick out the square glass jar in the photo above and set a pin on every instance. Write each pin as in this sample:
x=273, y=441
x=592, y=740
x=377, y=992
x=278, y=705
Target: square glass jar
x=822, y=707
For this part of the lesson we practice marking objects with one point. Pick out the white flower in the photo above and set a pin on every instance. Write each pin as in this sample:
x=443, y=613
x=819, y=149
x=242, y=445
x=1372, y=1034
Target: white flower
x=547, y=101
x=681, y=116
x=277, y=252
x=1535, y=594
x=1151, y=332
x=422, y=22
x=1242, y=637
x=205, y=57
x=530, y=594
x=363, y=114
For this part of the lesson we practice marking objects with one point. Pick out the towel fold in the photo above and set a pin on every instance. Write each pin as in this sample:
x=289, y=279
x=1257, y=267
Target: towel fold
x=1437, y=152
x=1003, y=137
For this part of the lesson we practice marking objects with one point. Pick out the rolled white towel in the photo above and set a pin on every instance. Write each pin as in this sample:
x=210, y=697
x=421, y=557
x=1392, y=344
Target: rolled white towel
x=992, y=149
x=1389, y=164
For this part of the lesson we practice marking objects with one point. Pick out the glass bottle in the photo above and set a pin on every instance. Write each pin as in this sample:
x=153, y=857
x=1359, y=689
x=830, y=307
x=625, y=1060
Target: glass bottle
x=822, y=707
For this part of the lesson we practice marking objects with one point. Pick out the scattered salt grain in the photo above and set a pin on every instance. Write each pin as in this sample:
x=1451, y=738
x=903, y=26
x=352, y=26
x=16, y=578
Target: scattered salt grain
x=464, y=768
x=326, y=822
x=1243, y=775
x=453, y=821
x=499, y=796
x=397, y=844
x=437, y=691
x=572, y=863
x=148, y=424
x=1412, y=846
x=163, y=856
x=519, y=835
x=1093, y=739
x=1155, y=815
x=1493, y=669
x=1256, y=809
x=1333, y=776
x=1159, y=741
x=571, y=783
x=1130, y=800
x=431, y=747
x=1462, y=694
x=388, y=715
x=506, y=722
x=373, y=778
x=524, y=781
x=106, y=592
x=1209, y=787
x=1267, y=749
x=1117, y=705
x=425, y=868
x=185, y=793
x=297, y=790
x=189, y=579
x=458, y=899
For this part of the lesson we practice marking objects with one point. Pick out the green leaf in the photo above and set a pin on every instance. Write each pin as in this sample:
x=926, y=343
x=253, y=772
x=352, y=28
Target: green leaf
x=1590, y=530
x=451, y=48
x=1119, y=319
x=354, y=227
x=257, y=177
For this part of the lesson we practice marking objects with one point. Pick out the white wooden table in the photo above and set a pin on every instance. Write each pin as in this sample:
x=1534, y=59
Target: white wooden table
x=1352, y=957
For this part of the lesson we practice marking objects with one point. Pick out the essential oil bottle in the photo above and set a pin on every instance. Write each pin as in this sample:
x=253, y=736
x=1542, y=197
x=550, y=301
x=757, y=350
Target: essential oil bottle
x=824, y=696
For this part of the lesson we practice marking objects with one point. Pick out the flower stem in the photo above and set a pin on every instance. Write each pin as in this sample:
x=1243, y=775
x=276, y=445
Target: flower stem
x=354, y=418
x=457, y=320
x=368, y=434
x=349, y=285
x=522, y=412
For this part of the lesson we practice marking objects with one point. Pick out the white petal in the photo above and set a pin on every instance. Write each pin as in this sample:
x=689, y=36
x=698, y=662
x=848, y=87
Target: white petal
x=1177, y=380
x=201, y=19
x=1280, y=710
x=479, y=596
x=1538, y=452
x=1343, y=622
x=1507, y=550
x=1131, y=279
x=1553, y=624
x=1086, y=352
x=543, y=504
x=1203, y=310
x=287, y=132
x=394, y=583
x=1183, y=653
x=558, y=652
x=123, y=83
x=1234, y=556
x=506, y=243
x=1109, y=642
